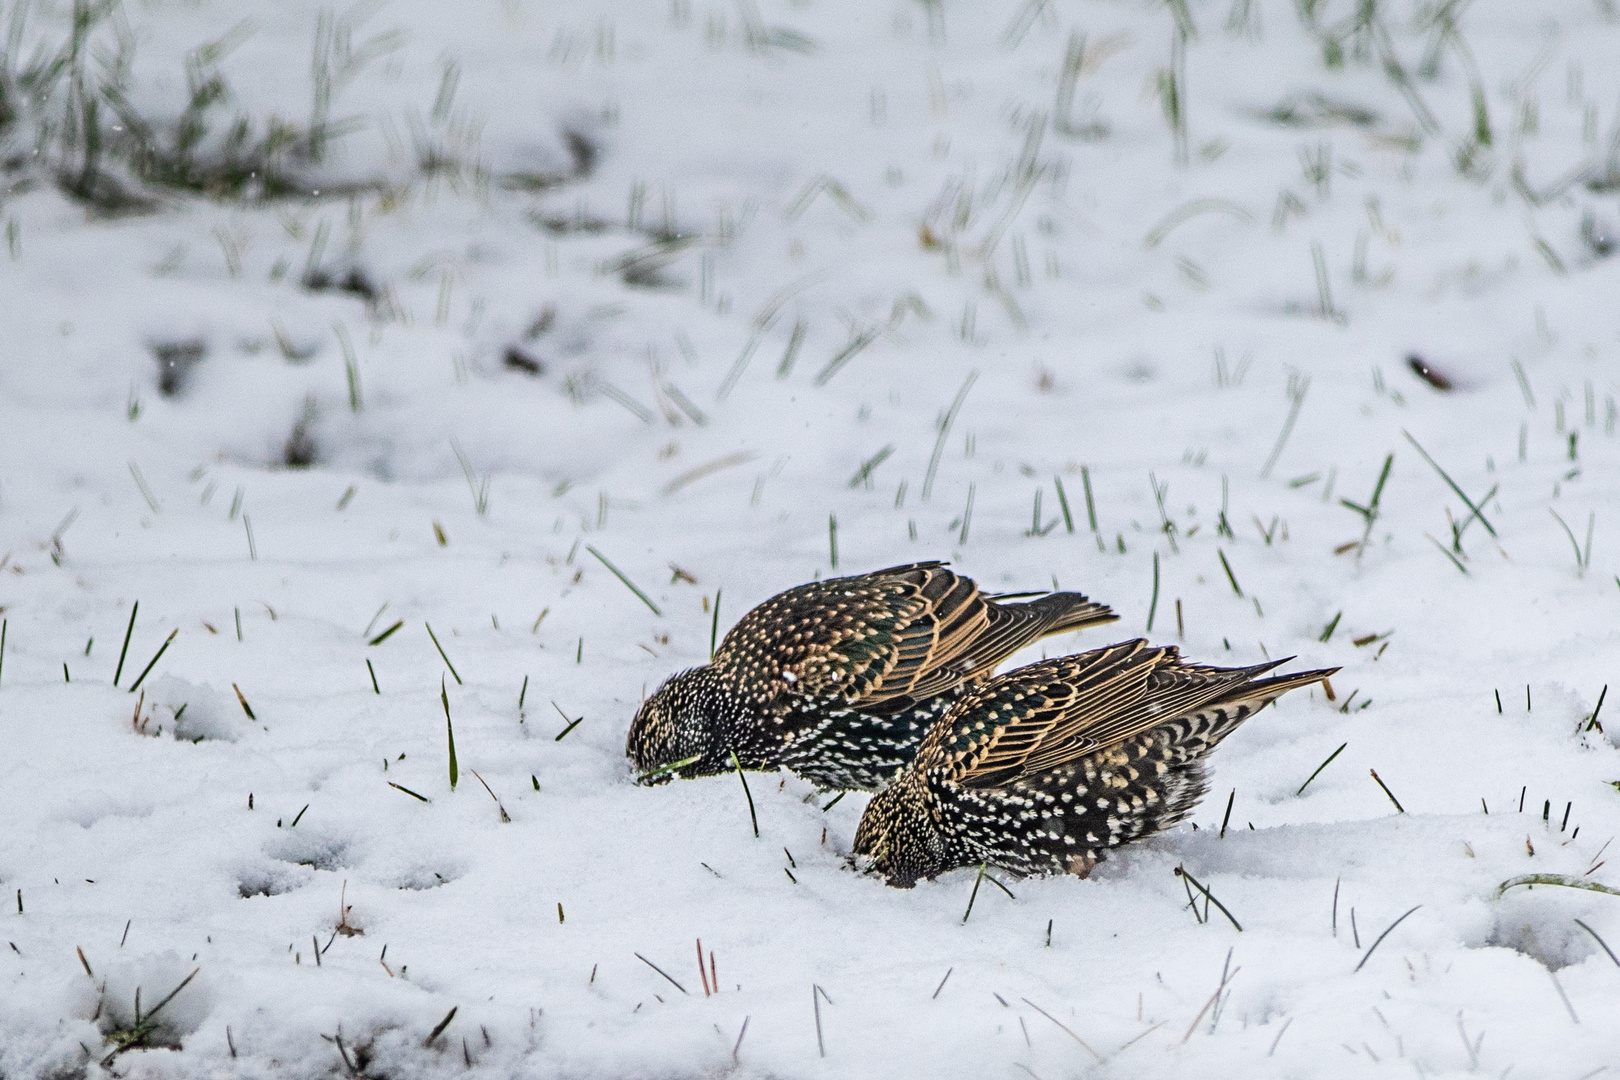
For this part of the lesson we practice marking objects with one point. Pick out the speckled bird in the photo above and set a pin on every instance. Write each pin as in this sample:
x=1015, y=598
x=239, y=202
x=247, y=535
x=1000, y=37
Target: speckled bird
x=1043, y=769
x=839, y=680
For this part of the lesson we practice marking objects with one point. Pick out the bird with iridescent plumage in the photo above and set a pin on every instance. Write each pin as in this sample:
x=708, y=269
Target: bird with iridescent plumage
x=1044, y=769
x=839, y=680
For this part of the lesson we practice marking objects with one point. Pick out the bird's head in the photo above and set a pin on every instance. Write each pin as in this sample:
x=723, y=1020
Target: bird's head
x=680, y=730
x=898, y=837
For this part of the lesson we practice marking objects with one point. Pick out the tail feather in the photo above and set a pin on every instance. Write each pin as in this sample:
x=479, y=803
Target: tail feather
x=1266, y=690
x=1062, y=611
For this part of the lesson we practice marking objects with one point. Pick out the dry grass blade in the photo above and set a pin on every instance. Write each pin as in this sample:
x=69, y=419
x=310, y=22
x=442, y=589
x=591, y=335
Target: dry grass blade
x=1368, y=955
x=1564, y=880
x=1066, y=1029
x=693, y=475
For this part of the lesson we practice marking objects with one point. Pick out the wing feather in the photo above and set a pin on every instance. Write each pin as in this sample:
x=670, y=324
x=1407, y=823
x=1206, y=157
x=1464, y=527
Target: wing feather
x=1045, y=715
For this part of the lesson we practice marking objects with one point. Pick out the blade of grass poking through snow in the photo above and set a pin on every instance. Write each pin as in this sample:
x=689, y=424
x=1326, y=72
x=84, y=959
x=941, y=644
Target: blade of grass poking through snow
x=373, y=671
x=153, y=662
x=351, y=367
x=1063, y=501
x=760, y=325
x=479, y=488
x=450, y=733
x=752, y=817
x=1153, y=605
x=1442, y=549
x=1368, y=954
x=1600, y=941
x=974, y=895
x=242, y=700
x=1297, y=388
x=1320, y=767
x=708, y=468
x=1451, y=484
x=1591, y=721
x=386, y=634
x=627, y=582
x=832, y=538
x=128, y=630
x=1229, y=575
x=849, y=352
x=1369, y=513
x=673, y=766
x=1065, y=1028
x=864, y=473
x=1398, y=807
x=1186, y=212
x=146, y=492
x=1580, y=563
x=714, y=624
x=438, y=1029
x=662, y=972
x=442, y=656
x=1563, y=880
x=1091, y=504
x=572, y=724
x=944, y=433
x=1181, y=871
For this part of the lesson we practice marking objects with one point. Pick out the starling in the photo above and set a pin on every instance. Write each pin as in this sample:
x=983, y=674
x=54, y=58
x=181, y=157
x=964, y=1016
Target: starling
x=1042, y=770
x=839, y=680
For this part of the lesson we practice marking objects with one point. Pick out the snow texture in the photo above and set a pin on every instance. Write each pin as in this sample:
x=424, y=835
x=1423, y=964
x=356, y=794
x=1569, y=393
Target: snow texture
x=690, y=288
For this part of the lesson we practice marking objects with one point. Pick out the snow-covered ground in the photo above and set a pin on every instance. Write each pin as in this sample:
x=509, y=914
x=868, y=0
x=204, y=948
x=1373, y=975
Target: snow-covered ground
x=727, y=296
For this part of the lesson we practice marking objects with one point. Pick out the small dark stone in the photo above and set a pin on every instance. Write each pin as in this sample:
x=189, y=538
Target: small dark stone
x=354, y=281
x=582, y=150
x=175, y=359
x=1430, y=374
x=519, y=360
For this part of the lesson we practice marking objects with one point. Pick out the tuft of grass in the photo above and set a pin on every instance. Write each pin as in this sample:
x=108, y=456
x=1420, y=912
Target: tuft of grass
x=1369, y=513
x=1582, y=561
x=139, y=1033
x=1181, y=872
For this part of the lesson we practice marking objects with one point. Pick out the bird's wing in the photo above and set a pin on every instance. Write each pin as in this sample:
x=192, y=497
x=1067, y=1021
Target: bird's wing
x=1044, y=715
x=865, y=640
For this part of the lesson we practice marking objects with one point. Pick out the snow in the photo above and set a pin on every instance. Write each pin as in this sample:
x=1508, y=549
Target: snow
x=842, y=172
